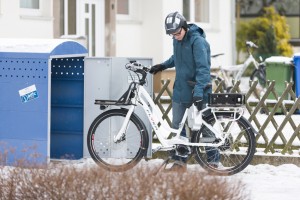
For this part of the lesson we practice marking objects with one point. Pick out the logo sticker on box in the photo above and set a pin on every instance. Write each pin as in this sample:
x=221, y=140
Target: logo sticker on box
x=28, y=93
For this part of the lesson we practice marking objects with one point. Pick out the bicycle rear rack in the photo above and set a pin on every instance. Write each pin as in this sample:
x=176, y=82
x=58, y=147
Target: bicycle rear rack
x=105, y=103
x=125, y=99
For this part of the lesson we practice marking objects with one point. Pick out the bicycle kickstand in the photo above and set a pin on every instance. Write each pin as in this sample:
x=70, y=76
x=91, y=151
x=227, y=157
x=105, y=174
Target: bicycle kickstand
x=163, y=164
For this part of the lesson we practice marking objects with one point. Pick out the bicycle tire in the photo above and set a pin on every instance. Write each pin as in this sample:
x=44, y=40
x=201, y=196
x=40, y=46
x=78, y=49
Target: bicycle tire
x=260, y=76
x=237, y=152
x=121, y=156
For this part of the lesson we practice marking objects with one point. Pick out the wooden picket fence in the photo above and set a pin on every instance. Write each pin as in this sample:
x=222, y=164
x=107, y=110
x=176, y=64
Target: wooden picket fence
x=274, y=115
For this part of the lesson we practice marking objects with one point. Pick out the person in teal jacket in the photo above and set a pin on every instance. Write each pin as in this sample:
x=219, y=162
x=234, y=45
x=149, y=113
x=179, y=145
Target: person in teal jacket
x=191, y=59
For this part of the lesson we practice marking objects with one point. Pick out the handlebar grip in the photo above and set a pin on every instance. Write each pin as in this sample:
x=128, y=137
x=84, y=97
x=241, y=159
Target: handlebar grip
x=139, y=69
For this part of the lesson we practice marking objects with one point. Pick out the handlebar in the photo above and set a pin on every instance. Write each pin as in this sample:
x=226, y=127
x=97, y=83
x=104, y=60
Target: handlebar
x=251, y=44
x=138, y=68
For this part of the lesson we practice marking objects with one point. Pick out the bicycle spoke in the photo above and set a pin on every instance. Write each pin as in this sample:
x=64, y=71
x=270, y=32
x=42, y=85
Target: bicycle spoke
x=120, y=155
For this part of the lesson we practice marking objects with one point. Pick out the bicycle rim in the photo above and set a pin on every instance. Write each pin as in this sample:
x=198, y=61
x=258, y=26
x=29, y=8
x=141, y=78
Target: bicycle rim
x=118, y=156
x=235, y=154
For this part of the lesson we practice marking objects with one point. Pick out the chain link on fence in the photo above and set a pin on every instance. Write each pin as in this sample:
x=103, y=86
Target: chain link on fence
x=275, y=117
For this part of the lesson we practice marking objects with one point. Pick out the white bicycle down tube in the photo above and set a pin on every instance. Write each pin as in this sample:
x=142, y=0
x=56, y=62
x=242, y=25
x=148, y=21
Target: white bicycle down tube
x=164, y=130
x=154, y=117
x=249, y=60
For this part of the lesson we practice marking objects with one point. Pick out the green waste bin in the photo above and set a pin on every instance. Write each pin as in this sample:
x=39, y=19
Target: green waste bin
x=279, y=69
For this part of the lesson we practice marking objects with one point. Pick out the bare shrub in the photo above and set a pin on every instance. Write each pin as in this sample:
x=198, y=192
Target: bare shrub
x=87, y=181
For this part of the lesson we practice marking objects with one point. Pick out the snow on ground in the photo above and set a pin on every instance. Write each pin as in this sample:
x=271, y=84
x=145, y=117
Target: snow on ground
x=269, y=182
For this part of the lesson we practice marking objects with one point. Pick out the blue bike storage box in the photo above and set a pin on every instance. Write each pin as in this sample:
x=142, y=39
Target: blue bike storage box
x=41, y=99
x=296, y=60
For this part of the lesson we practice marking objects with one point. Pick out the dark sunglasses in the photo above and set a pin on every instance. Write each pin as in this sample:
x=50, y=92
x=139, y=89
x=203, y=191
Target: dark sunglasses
x=176, y=34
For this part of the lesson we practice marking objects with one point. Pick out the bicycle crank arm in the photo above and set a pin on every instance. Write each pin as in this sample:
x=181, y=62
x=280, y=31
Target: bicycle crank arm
x=162, y=148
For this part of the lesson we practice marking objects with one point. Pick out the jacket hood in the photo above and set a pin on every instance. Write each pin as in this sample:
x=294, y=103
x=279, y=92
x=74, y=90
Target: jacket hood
x=194, y=29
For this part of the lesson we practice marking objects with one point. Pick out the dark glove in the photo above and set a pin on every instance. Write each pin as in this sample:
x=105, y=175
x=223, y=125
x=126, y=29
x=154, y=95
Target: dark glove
x=198, y=101
x=156, y=68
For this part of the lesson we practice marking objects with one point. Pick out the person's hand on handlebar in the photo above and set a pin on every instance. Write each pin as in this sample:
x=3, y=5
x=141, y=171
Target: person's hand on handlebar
x=156, y=68
x=198, y=102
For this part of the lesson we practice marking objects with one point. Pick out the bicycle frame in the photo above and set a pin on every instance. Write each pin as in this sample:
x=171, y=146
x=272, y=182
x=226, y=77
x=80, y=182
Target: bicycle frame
x=238, y=69
x=154, y=116
x=249, y=60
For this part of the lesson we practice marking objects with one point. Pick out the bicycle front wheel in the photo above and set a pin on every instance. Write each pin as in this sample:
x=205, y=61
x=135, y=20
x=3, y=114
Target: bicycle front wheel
x=237, y=151
x=124, y=154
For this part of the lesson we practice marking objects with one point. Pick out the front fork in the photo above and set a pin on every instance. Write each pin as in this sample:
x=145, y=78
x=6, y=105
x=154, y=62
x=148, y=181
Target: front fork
x=121, y=134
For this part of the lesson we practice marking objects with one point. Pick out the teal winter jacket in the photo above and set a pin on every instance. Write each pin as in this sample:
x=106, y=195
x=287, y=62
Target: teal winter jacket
x=191, y=58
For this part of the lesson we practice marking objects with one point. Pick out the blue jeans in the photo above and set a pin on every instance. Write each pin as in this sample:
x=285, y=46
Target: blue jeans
x=212, y=153
x=178, y=109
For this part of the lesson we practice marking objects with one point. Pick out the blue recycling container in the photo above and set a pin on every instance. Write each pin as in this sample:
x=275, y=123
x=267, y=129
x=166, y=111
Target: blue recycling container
x=296, y=60
x=41, y=99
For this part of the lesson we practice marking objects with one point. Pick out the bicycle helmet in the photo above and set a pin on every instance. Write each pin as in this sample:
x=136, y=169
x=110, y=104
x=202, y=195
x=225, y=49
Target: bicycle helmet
x=174, y=22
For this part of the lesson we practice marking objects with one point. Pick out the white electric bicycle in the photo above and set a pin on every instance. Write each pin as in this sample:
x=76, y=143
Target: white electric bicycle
x=118, y=139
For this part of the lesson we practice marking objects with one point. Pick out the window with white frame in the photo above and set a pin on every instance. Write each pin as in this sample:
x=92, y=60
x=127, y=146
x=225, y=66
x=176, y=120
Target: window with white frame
x=31, y=4
x=31, y=7
x=196, y=10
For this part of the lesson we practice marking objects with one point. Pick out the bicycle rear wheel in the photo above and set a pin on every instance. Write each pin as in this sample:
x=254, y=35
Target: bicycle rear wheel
x=122, y=155
x=238, y=150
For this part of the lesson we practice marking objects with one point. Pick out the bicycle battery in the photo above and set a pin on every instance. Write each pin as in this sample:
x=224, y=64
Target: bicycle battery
x=226, y=100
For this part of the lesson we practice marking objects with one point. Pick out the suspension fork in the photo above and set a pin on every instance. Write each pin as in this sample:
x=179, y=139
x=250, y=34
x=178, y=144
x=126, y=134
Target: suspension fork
x=124, y=126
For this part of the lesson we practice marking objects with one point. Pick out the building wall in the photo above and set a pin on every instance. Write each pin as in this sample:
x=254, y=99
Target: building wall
x=146, y=36
x=17, y=24
x=140, y=35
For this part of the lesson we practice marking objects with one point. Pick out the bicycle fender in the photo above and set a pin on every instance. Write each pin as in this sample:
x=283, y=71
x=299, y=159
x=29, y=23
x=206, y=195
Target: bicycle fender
x=250, y=125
